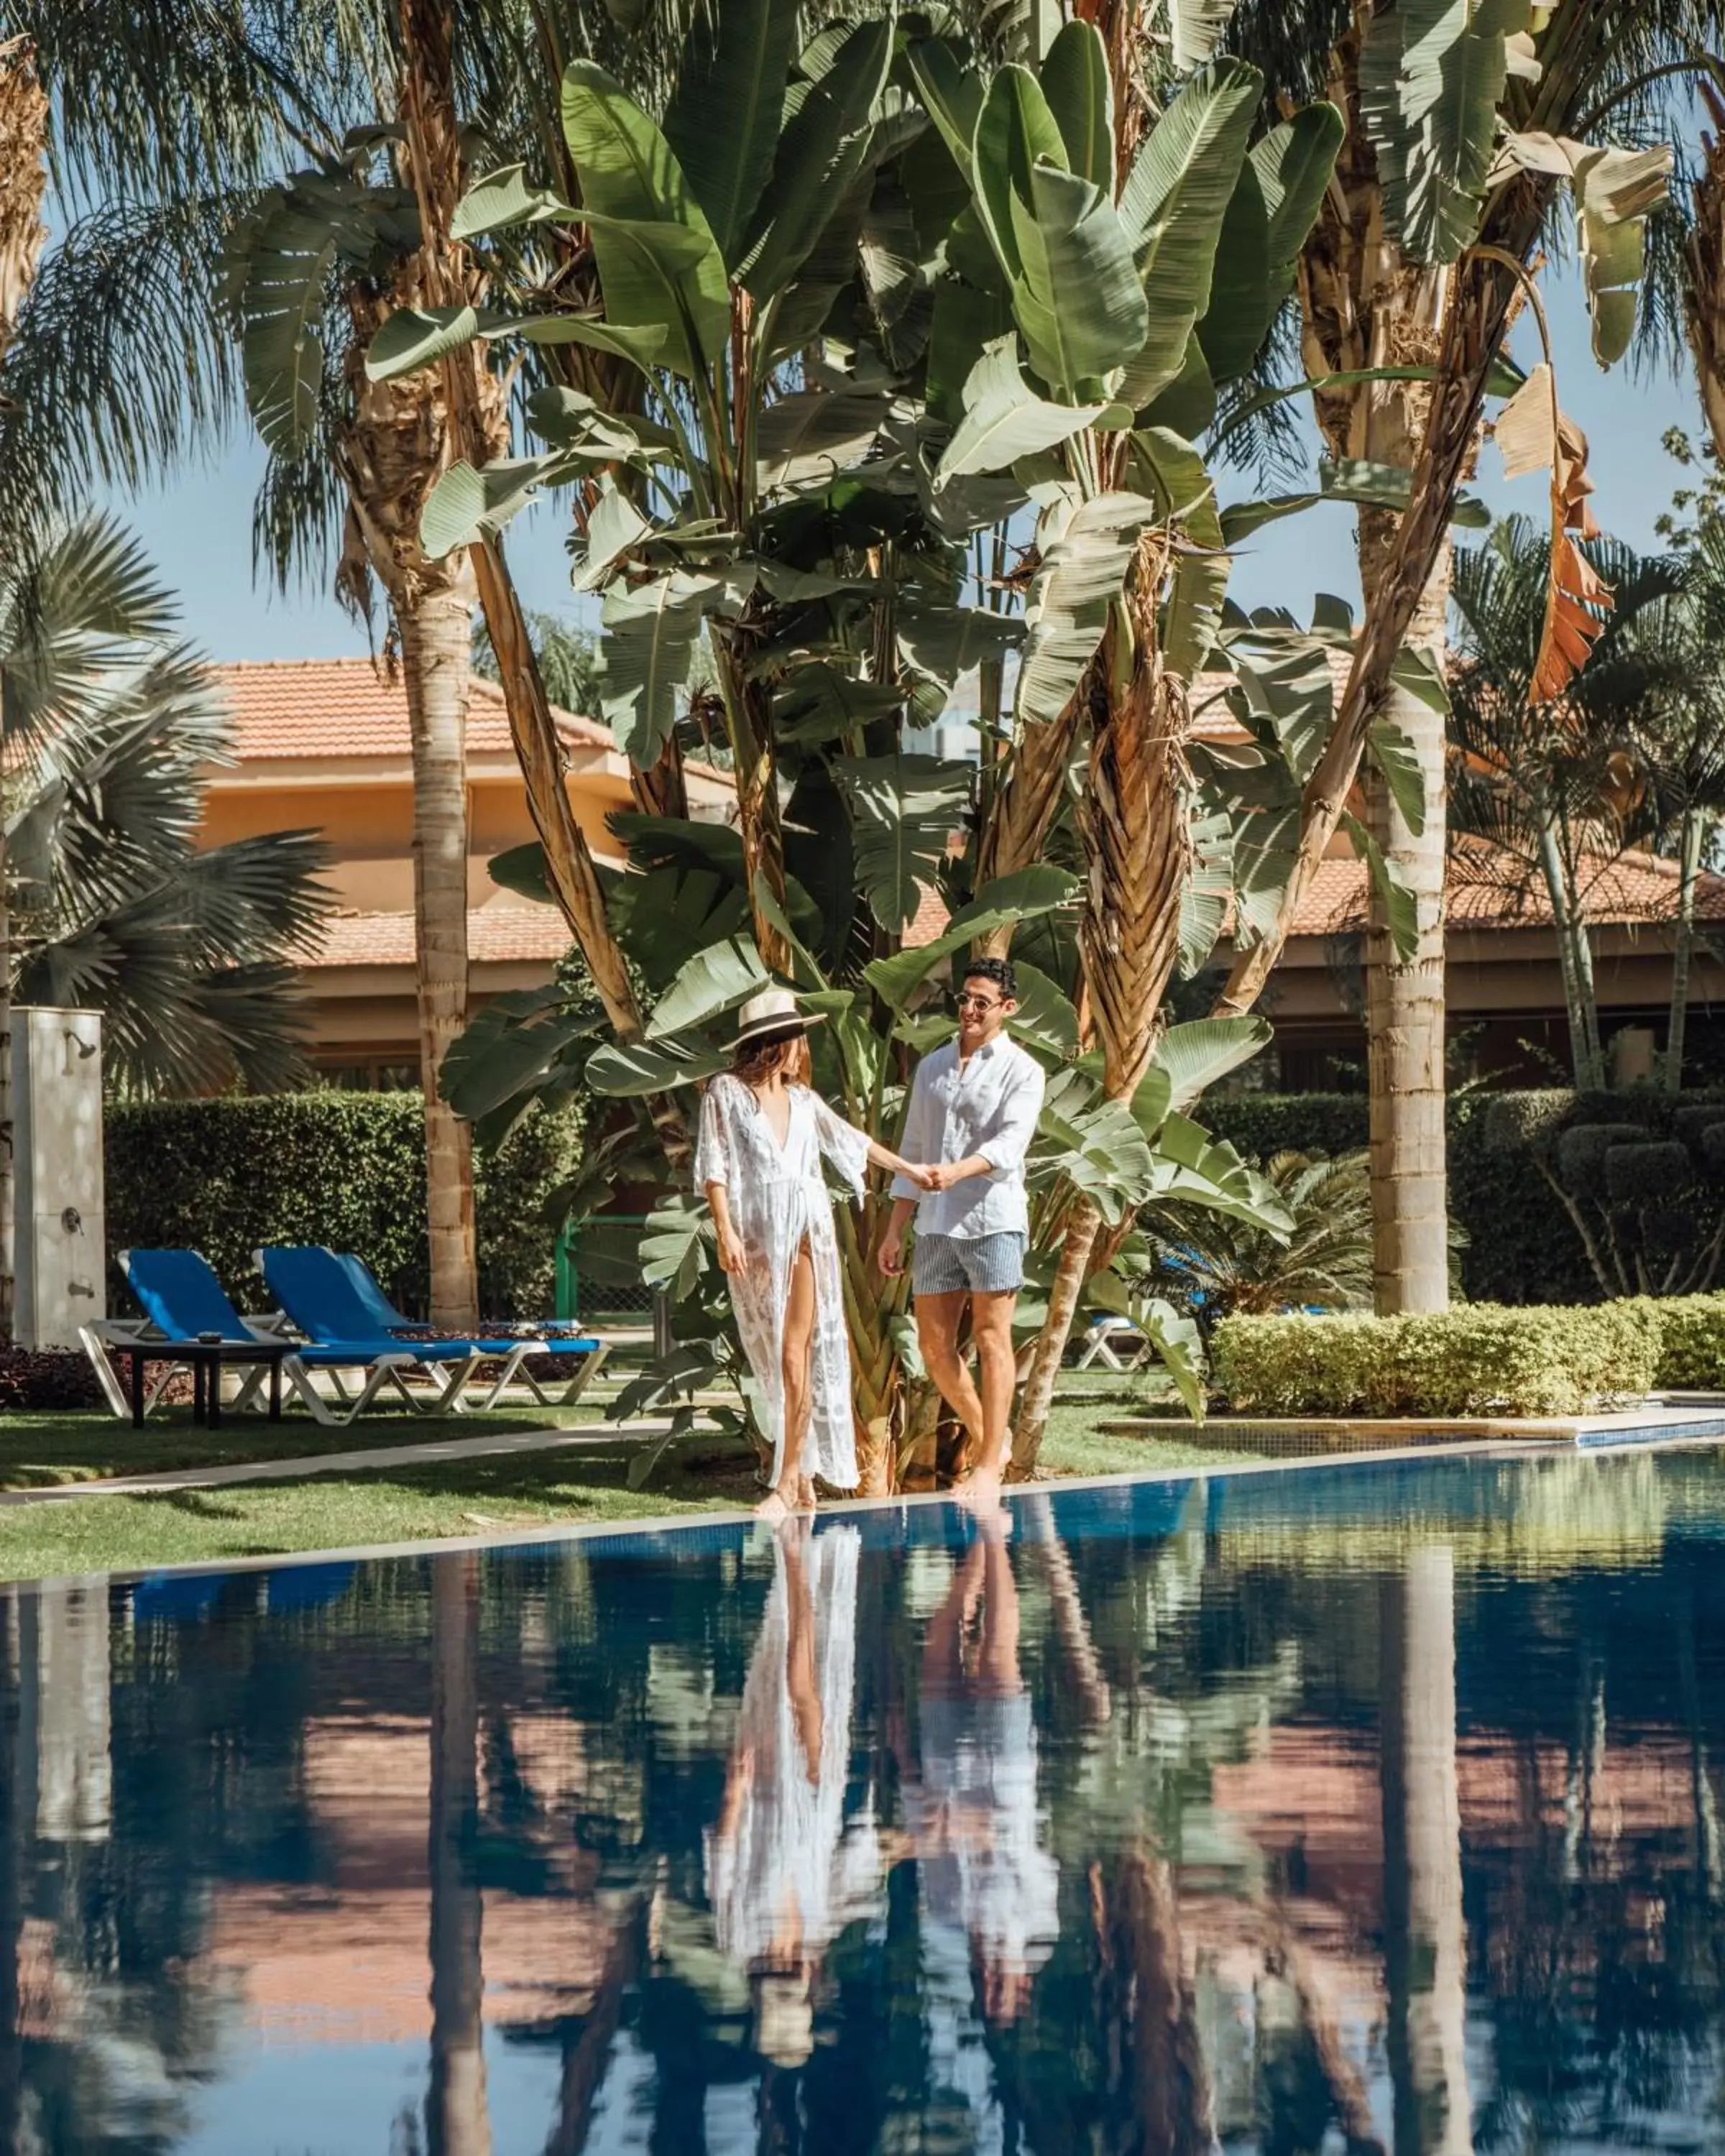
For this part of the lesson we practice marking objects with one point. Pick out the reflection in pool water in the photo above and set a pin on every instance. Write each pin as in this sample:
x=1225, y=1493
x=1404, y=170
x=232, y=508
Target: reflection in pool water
x=1368, y=1806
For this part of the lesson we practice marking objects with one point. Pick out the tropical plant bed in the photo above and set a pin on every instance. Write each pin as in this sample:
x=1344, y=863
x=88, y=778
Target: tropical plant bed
x=1654, y=1421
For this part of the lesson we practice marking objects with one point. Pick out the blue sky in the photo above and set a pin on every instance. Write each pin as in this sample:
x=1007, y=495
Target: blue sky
x=198, y=524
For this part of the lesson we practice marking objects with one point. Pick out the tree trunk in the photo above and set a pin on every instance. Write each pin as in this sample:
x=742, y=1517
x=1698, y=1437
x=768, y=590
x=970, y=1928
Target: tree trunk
x=457, y=2121
x=1425, y=1940
x=1704, y=276
x=749, y=724
x=1363, y=306
x=23, y=183
x=1404, y=1000
x=1683, y=949
x=436, y=641
x=1082, y=1225
x=478, y=425
x=1133, y=825
x=12, y=1836
x=389, y=458
x=1023, y=808
x=872, y=1304
x=1574, y=967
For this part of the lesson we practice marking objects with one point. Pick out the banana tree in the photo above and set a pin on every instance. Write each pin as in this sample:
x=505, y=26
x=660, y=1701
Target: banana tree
x=1095, y=280
x=1022, y=329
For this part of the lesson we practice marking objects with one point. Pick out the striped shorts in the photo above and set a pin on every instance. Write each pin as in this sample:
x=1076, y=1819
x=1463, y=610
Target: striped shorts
x=974, y=1265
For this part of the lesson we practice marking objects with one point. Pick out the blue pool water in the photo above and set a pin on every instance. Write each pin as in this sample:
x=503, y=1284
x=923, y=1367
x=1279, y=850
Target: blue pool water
x=1361, y=1806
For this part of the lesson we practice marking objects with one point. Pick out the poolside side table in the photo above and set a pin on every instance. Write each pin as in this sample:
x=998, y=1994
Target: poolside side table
x=206, y=1358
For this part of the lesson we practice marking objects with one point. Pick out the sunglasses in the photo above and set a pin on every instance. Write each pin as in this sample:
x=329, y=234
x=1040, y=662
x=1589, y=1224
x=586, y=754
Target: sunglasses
x=978, y=1003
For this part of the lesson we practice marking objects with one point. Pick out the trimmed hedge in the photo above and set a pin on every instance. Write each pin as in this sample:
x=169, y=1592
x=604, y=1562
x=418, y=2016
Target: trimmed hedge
x=1481, y=1359
x=348, y=1169
x=1691, y=1341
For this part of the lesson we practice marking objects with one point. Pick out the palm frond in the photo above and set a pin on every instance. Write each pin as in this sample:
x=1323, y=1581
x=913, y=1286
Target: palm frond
x=112, y=731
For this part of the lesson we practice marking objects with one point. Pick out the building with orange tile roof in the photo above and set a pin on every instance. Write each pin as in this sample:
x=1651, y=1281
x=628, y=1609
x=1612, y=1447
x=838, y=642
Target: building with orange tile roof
x=323, y=744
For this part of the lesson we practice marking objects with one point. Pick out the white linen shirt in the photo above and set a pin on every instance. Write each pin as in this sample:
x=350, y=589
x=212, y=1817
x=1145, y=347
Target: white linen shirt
x=989, y=1105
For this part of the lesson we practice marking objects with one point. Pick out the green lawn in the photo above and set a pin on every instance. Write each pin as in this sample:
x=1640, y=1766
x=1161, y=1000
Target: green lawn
x=411, y=1503
x=38, y=1452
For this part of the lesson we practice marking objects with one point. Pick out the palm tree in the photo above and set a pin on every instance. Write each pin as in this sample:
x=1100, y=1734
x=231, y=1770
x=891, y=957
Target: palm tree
x=24, y=181
x=116, y=355
x=1223, y=1266
x=568, y=658
x=327, y=257
x=110, y=724
x=1665, y=684
x=1434, y=117
x=1551, y=790
x=457, y=2115
x=435, y=163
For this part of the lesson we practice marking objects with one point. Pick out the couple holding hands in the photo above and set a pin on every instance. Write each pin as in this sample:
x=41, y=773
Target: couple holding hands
x=763, y=1136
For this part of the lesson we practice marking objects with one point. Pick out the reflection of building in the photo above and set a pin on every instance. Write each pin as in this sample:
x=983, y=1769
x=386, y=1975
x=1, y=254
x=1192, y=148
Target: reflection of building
x=323, y=744
x=344, y=1961
x=1503, y=983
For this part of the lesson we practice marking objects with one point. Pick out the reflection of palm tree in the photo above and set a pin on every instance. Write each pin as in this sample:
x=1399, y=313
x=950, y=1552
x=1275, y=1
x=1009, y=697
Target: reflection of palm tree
x=11, y=1912
x=1165, y=2083
x=456, y=2120
x=588, y=2052
x=1425, y=1942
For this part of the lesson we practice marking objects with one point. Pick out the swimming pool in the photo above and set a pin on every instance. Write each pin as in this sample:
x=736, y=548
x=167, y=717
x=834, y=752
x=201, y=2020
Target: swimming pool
x=1292, y=1811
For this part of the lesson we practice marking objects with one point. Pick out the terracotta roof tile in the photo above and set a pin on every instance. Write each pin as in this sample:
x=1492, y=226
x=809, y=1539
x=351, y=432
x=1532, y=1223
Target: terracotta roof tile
x=932, y=918
x=1484, y=891
x=1485, y=888
x=329, y=707
x=496, y=935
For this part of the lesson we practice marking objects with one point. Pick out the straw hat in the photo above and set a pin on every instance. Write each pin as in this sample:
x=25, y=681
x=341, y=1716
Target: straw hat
x=772, y=1015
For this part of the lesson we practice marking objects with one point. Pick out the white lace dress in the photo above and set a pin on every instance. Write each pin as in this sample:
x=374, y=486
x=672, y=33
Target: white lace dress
x=786, y=1870
x=777, y=1199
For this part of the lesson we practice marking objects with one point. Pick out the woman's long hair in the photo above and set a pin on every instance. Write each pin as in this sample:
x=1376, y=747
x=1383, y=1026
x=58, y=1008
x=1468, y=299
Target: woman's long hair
x=756, y=1061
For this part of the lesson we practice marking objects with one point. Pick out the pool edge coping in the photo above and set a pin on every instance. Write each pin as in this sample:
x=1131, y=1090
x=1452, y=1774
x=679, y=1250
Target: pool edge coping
x=842, y=1508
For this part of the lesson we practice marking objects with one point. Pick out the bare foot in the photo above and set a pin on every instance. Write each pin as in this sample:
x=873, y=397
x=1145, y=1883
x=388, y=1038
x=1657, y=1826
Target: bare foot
x=805, y=1493
x=980, y=1490
x=774, y=1508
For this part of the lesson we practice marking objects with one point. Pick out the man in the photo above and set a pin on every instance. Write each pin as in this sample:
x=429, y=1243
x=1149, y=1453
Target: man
x=972, y=1115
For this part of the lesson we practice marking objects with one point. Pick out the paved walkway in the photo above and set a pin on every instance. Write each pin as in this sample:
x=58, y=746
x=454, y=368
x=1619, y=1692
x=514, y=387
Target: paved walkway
x=494, y=1445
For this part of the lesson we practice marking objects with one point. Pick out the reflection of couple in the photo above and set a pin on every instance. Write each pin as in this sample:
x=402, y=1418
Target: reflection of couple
x=972, y=1812
x=763, y=1136
x=786, y=1870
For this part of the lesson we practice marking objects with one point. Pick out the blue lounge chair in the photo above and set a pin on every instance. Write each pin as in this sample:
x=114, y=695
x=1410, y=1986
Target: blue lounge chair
x=328, y=1294
x=546, y=1337
x=184, y=1303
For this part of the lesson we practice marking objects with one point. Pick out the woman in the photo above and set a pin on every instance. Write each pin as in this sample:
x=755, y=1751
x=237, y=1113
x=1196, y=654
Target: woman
x=763, y=1136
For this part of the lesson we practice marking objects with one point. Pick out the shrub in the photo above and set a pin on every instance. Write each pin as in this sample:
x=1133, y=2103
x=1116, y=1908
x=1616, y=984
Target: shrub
x=1691, y=1341
x=1482, y=1358
x=347, y=1169
x=45, y=1379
